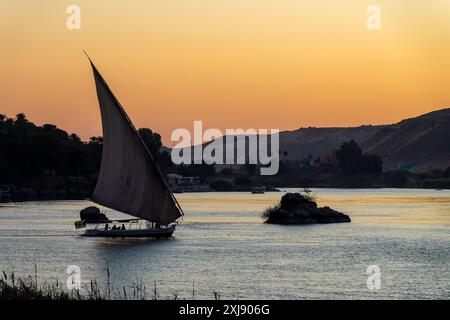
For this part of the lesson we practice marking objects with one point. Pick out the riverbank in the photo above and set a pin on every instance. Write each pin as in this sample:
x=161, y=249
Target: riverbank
x=32, y=195
x=73, y=188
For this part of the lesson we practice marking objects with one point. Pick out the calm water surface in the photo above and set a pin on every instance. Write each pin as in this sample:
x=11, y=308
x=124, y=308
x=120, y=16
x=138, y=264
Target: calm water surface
x=222, y=245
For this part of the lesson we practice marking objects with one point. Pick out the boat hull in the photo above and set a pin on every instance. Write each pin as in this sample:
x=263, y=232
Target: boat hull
x=163, y=232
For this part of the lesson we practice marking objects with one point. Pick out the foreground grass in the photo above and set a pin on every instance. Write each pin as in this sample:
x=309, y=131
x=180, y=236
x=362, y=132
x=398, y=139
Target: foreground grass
x=28, y=288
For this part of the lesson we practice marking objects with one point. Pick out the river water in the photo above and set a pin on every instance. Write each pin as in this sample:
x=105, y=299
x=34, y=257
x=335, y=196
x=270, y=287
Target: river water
x=223, y=246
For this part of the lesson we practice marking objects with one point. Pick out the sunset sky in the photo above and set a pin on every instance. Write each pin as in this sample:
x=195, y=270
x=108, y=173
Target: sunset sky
x=279, y=64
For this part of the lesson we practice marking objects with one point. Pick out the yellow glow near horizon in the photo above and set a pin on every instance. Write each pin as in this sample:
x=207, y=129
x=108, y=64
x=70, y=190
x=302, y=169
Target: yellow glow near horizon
x=253, y=63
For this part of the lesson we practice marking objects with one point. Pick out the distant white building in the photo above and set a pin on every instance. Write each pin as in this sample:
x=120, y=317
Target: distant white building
x=181, y=184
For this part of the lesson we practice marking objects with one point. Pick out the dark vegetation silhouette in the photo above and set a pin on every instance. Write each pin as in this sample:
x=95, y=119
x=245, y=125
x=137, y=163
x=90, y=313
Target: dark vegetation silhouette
x=29, y=151
x=152, y=140
x=47, y=157
x=13, y=287
x=353, y=161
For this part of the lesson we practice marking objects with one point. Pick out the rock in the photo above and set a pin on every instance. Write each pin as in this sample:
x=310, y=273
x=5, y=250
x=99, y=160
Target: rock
x=296, y=208
x=93, y=215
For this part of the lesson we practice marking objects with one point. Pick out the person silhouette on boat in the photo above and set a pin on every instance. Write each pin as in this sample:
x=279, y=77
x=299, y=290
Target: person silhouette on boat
x=123, y=227
x=107, y=227
x=114, y=227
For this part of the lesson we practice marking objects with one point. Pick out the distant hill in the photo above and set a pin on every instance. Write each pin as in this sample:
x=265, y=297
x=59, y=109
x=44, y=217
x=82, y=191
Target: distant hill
x=303, y=142
x=422, y=143
x=319, y=141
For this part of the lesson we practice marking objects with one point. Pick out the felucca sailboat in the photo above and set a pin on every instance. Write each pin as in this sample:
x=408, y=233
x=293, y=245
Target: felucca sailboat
x=130, y=180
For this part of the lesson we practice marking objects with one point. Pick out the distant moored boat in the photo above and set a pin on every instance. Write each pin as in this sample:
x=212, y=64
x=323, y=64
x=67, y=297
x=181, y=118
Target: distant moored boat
x=258, y=189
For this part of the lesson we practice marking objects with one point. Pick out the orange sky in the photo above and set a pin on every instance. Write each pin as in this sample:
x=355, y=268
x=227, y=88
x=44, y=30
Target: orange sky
x=251, y=63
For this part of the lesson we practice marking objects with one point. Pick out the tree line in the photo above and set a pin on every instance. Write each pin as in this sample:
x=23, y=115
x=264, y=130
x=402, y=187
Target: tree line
x=42, y=156
x=29, y=152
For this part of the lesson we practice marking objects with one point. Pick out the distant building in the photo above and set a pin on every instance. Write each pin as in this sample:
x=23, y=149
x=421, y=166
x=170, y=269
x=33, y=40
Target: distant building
x=5, y=193
x=329, y=159
x=179, y=184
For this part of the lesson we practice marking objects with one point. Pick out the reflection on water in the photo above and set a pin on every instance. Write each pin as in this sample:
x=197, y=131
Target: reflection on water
x=222, y=245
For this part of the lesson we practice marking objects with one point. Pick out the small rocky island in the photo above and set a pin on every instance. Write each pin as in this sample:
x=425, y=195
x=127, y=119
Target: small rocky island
x=93, y=215
x=301, y=208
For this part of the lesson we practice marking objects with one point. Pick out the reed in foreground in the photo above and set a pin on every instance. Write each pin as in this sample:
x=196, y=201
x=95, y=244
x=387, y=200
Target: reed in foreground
x=28, y=288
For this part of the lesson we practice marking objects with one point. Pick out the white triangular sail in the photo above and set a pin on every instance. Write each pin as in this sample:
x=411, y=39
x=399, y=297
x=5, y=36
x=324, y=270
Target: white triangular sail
x=130, y=180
